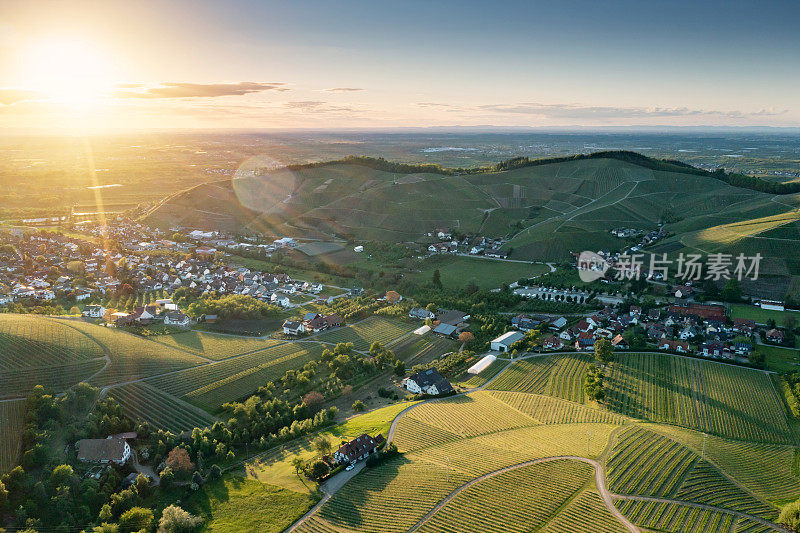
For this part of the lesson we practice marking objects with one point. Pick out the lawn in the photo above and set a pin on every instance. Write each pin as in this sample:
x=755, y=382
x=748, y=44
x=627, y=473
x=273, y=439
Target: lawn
x=235, y=503
x=779, y=358
x=275, y=467
x=751, y=312
x=457, y=272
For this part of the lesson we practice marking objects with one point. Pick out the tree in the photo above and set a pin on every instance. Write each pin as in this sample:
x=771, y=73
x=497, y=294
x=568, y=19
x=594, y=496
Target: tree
x=393, y=297
x=167, y=477
x=215, y=472
x=603, y=350
x=399, y=368
x=358, y=406
x=318, y=470
x=314, y=400
x=179, y=461
x=465, y=337
x=297, y=464
x=437, y=279
x=323, y=446
x=732, y=291
x=135, y=519
x=74, y=310
x=176, y=520
x=197, y=478
x=142, y=486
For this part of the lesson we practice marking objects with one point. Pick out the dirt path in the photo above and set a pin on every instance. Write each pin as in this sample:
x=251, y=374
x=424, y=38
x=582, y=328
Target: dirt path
x=599, y=480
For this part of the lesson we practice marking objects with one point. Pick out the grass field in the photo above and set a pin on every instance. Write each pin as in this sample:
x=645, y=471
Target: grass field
x=373, y=329
x=213, y=346
x=460, y=271
x=275, y=467
x=141, y=401
x=12, y=420
x=30, y=341
x=779, y=358
x=760, y=316
x=234, y=504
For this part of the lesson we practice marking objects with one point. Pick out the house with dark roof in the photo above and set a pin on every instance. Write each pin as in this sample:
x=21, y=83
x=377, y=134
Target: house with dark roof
x=357, y=449
x=428, y=382
x=421, y=313
x=775, y=335
x=103, y=451
x=446, y=330
x=293, y=327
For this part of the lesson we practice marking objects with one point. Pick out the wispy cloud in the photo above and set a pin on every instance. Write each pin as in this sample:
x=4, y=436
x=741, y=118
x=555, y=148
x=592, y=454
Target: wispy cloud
x=343, y=89
x=577, y=111
x=304, y=104
x=434, y=104
x=13, y=96
x=195, y=90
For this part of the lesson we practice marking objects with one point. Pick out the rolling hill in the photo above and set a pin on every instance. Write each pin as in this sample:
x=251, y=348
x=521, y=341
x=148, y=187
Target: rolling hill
x=547, y=208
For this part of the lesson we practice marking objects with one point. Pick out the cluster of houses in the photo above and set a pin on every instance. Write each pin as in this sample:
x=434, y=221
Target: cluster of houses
x=480, y=245
x=648, y=237
x=44, y=266
x=311, y=323
x=682, y=328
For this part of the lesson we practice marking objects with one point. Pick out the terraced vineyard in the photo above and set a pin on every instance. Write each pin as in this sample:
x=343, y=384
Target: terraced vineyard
x=213, y=346
x=547, y=410
x=18, y=383
x=12, y=420
x=540, y=491
x=676, y=518
x=212, y=385
x=705, y=484
x=29, y=342
x=373, y=329
x=141, y=401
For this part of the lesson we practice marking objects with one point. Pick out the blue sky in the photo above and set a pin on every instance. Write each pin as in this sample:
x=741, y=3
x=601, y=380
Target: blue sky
x=572, y=63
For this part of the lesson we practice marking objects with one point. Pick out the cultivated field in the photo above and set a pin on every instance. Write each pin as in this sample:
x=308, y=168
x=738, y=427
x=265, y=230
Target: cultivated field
x=676, y=518
x=554, y=375
x=18, y=383
x=141, y=401
x=12, y=420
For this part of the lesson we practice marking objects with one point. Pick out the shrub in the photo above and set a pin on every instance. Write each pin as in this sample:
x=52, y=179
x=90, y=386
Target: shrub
x=176, y=520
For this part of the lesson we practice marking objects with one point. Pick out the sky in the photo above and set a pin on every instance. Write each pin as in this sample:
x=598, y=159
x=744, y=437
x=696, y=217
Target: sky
x=113, y=64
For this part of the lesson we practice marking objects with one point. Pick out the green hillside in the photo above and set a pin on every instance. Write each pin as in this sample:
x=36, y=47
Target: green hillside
x=546, y=208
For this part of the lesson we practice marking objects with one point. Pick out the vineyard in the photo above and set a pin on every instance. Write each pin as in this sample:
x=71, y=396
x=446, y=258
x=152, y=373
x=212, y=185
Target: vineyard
x=547, y=410
x=676, y=518
x=362, y=334
x=585, y=514
x=29, y=342
x=747, y=462
x=12, y=420
x=540, y=492
x=727, y=400
x=644, y=463
x=213, y=346
x=140, y=401
x=133, y=357
x=211, y=385
x=388, y=499
x=556, y=375
x=18, y=383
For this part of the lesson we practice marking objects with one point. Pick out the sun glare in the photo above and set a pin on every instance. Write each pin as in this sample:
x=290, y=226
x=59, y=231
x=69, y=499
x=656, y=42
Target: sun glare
x=67, y=71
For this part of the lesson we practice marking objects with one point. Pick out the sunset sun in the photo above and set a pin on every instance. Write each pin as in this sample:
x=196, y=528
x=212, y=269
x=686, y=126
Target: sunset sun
x=67, y=71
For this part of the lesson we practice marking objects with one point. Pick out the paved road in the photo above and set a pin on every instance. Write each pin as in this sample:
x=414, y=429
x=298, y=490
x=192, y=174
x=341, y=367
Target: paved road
x=599, y=479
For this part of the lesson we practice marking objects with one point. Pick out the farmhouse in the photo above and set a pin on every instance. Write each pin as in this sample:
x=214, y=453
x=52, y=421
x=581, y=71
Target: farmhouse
x=357, y=449
x=104, y=451
x=446, y=330
x=552, y=343
x=674, y=346
x=775, y=335
x=428, y=382
x=504, y=342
